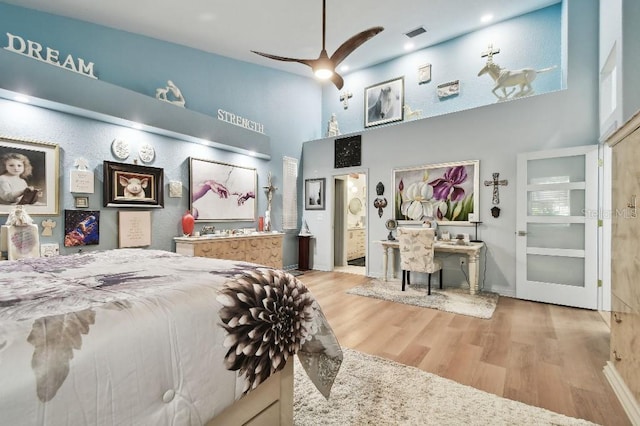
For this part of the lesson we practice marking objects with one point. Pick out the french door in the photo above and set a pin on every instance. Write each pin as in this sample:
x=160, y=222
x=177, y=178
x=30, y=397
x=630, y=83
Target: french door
x=557, y=227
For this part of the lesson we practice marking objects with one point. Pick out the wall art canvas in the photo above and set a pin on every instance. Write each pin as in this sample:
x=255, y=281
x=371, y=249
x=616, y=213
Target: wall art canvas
x=29, y=175
x=222, y=192
x=81, y=227
x=446, y=191
x=384, y=102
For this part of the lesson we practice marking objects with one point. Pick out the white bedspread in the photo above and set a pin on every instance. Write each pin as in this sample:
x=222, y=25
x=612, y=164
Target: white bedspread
x=147, y=337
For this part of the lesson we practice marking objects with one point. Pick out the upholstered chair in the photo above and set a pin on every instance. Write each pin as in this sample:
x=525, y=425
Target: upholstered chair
x=417, y=253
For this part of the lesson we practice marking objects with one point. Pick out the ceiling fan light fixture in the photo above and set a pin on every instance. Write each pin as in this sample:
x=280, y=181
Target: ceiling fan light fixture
x=323, y=68
x=323, y=73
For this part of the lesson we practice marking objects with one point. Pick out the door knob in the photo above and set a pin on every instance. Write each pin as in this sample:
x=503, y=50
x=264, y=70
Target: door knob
x=521, y=233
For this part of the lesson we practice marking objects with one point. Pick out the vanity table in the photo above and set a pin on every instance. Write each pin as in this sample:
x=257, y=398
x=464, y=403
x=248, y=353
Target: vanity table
x=471, y=250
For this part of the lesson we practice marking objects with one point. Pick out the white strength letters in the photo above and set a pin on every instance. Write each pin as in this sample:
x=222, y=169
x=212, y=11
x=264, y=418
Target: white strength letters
x=230, y=117
x=51, y=56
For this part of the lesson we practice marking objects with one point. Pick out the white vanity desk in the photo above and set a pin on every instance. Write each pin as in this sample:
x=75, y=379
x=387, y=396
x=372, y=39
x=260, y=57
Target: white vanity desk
x=472, y=250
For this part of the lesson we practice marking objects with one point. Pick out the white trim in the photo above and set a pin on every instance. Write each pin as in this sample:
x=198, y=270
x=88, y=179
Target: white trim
x=626, y=398
x=555, y=252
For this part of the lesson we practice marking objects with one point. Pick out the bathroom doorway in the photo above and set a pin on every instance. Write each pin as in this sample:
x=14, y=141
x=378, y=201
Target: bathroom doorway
x=350, y=220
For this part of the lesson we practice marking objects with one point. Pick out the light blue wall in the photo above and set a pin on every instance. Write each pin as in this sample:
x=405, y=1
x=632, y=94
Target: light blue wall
x=288, y=105
x=529, y=41
x=494, y=134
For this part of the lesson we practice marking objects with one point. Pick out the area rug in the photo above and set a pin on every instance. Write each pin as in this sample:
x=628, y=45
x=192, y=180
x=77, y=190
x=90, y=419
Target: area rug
x=455, y=300
x=374, y=391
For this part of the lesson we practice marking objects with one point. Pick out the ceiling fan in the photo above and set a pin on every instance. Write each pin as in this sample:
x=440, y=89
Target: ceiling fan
x=324, y=66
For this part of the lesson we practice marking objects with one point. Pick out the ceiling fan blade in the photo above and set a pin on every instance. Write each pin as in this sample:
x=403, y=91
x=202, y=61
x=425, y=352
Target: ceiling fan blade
x=353, y=43
x=337, y=80
x=308, y=62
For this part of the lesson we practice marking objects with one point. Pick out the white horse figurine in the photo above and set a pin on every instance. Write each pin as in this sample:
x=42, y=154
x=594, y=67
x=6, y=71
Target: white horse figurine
x=409, y=113
x=508, y=78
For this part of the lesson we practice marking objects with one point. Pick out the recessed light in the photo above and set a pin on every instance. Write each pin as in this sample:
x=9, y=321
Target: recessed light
x=486, y=18
x=409, y=46
x=344, y=68
x=22, y=98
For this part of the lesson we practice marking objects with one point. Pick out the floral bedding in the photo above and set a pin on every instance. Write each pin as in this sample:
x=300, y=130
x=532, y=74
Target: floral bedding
x=135, y=336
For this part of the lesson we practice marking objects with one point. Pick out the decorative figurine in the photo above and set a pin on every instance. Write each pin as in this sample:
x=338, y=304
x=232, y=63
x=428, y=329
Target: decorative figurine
x=505, y=78
x=163, y=94
x=409, y=113
x=47, y=226
x=332, y=126
x=270, y=190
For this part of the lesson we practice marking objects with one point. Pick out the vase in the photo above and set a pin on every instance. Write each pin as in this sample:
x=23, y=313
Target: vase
x=188, y=223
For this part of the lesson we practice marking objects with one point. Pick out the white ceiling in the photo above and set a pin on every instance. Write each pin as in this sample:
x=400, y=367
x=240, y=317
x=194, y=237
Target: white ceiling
x=291, y=28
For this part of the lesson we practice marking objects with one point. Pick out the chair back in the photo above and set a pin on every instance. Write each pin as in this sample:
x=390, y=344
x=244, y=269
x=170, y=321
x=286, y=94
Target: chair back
x=417, y=249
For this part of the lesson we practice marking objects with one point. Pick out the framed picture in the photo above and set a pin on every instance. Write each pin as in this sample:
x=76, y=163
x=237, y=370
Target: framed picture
x=445, y=191
x=222, y=192
x=130, y=185
x=348, y=152
x=81, y=202
x=314, y=194
x=81, y=228
x=424, y=73
x=31, y=170
x=384, y=102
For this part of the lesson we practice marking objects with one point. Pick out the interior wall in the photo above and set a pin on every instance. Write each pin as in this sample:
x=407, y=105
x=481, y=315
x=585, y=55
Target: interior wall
x=532, y=40
x=288, y=105
x=493, y=134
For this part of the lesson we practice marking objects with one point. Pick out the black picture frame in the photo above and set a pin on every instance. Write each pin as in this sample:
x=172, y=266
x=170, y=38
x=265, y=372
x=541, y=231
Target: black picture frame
x=147, y=187
x=314, y=194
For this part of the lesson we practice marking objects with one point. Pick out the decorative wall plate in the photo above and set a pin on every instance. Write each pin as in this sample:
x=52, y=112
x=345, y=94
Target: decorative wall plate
x=120, y=148
x=147, y=153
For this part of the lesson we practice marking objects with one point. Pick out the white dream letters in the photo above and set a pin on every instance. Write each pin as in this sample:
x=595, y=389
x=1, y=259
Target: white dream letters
x=48, y=55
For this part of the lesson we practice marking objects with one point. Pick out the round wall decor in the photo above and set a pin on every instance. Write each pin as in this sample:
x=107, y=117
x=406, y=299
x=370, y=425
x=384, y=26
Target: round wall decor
x=146, y=153
x=120, y=148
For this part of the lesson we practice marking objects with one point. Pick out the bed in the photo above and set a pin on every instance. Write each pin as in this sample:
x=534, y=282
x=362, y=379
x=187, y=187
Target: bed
x=149, y=337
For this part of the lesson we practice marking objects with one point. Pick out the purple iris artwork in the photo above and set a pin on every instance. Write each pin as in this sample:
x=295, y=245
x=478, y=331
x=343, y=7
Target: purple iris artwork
x=441, y=191
x=446, y=187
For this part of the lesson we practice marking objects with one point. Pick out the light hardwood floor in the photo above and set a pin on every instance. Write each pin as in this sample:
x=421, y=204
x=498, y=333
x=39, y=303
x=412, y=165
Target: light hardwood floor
x=544, y=355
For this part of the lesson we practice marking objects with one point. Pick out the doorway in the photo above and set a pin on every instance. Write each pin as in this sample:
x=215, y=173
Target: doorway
x=350, y=219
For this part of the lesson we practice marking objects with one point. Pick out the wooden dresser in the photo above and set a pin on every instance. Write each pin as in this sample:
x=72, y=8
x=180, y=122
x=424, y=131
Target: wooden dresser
x=263, y=248
x=623, y=368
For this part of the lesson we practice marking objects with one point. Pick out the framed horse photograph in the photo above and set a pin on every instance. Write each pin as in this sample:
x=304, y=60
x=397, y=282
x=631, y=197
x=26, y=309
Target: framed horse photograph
x=384, y=102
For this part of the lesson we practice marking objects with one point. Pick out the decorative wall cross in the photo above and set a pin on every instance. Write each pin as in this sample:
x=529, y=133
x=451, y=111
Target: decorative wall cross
x=496, y=183
x=489, y=53
x=344, y=98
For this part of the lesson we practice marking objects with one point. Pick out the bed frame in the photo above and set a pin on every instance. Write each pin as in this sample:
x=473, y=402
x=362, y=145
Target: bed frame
x=270, y=404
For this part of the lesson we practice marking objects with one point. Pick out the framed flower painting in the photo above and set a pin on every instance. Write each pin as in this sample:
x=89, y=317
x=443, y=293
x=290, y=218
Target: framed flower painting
x=446, y=191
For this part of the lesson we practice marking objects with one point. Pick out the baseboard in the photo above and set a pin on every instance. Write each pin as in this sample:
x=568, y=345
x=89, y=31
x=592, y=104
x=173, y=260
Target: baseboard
x=623, y=393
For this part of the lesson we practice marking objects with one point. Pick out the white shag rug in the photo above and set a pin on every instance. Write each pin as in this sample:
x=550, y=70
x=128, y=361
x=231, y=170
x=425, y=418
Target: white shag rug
x=455, y=300
x=374, y=391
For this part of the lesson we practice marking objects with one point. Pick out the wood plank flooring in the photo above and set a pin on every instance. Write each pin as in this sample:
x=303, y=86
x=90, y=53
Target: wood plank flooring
x=544, y=355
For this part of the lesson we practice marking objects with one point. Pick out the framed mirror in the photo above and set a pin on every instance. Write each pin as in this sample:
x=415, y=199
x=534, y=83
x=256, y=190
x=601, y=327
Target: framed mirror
x=355, y=206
